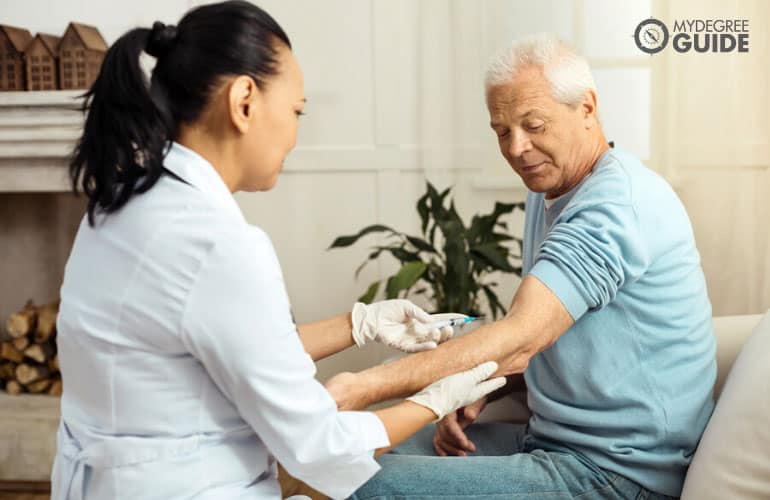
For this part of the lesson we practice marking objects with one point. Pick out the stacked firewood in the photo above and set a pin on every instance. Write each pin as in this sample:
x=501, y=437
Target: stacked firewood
x=28, y=361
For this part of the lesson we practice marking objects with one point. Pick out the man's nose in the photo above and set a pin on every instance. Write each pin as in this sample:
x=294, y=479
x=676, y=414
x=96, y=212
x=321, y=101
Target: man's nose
x=520, y=143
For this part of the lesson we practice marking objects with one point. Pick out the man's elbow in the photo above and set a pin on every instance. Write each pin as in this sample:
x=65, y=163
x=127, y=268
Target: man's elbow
x=520, y=346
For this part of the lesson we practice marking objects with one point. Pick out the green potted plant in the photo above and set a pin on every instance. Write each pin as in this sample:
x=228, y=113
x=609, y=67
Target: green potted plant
x=451, y=262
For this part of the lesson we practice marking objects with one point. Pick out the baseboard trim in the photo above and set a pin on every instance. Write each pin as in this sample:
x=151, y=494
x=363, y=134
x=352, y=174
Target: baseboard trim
x=26, y=486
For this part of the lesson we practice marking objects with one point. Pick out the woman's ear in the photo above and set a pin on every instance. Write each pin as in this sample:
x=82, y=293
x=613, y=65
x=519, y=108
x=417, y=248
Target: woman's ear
x=243, y=102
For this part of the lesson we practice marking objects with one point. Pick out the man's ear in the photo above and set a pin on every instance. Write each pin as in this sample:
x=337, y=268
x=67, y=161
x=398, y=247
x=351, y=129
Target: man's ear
x=588, y=108
x=243, y=102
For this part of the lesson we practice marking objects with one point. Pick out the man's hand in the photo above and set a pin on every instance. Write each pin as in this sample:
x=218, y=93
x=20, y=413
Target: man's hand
x=450, y=438
x=399, y=324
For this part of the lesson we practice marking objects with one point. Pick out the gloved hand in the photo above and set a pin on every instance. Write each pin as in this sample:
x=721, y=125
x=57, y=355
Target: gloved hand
x=400, y=324
x=461, y=389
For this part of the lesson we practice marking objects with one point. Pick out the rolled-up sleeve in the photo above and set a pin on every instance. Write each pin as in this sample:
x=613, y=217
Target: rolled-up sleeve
x=590, y=253
x=238, y=325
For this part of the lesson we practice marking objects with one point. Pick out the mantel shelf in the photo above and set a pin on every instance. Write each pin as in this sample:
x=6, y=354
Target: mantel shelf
x=37, y=133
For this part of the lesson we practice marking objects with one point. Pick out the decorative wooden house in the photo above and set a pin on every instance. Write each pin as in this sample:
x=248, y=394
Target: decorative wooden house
x=81, y=52
x=42, y=62
x=13, y=41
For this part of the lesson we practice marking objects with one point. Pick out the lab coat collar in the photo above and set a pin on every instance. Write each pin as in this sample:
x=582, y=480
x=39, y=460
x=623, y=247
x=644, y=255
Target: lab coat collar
x=196, y=171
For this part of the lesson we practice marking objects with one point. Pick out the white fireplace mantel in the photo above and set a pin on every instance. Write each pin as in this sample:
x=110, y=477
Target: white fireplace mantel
x=37, y=133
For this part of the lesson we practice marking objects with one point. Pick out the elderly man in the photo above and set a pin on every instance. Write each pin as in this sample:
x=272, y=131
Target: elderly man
x=611, y=325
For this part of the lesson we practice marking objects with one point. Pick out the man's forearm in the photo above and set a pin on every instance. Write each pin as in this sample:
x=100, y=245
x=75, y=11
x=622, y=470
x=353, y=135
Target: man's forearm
x=536, y=319
x=412, y=373
x=326, y=337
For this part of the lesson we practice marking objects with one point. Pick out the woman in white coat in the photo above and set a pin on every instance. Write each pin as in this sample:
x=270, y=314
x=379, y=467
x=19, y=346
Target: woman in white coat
x=184, y=373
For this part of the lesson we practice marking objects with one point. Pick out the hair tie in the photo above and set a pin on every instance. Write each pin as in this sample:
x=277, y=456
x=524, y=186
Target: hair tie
x=161, y=40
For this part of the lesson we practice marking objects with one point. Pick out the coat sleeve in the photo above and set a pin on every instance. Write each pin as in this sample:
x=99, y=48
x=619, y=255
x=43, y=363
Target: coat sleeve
x=238, y=324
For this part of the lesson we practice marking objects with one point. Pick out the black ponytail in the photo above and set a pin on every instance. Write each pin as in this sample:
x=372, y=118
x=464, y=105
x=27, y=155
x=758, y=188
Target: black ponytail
x=130, y=121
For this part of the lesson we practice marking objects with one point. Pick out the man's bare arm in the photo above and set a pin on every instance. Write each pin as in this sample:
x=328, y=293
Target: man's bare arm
x=536, y=319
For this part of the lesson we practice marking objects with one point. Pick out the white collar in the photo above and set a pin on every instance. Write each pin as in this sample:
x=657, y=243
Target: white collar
x=196, y=171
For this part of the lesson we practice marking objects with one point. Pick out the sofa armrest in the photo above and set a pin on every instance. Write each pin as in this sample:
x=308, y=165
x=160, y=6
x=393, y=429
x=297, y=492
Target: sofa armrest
x=731, y=332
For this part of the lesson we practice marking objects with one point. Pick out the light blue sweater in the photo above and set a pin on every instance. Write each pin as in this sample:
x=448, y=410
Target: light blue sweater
x=629, y=385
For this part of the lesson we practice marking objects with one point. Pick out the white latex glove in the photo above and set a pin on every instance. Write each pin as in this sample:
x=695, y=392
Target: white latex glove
x=400, y=324
x=461, y=389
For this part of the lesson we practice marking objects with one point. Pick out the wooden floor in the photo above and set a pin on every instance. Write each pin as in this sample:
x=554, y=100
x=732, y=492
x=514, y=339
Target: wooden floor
x=24, y=496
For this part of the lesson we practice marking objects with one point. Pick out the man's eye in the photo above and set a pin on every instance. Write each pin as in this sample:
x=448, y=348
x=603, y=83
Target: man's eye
x=535, y=126
x=300, y=113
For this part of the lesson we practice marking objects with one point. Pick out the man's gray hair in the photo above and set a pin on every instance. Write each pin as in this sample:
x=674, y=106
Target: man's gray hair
x=566, y=71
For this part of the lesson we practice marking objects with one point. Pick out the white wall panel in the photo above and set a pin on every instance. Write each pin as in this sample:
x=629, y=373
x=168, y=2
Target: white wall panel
x=608, y=27
x=624, y=107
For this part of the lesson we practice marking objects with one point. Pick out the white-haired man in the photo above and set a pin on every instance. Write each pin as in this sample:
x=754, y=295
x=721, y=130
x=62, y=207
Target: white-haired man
x=611, y=325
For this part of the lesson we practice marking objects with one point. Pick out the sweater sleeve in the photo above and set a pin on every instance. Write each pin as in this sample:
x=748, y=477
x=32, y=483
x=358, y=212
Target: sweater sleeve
x=590, y=253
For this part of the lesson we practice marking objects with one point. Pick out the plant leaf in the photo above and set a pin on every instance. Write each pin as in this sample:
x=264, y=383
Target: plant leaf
x=361, y=267
x=368, y=296
x=494, y=303
x=422, y=209
x=495, y=255
x=346, y=241
x=498, y=237
x=420, y=244
x=457, y=278
x=407, y=276
x=403, y=255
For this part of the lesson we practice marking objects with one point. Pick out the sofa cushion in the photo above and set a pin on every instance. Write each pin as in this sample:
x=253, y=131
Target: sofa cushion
x=732, y=459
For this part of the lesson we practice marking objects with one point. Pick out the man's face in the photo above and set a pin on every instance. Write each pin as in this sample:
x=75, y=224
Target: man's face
x=545, y=141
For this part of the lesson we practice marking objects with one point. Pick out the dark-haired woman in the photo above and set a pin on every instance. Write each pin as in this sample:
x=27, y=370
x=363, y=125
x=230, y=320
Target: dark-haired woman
x=185, y=375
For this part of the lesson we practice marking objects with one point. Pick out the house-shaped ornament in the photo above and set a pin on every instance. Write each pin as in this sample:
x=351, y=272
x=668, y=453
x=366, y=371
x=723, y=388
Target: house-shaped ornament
x=42, y=62
x=13, y=41
x=81, y=52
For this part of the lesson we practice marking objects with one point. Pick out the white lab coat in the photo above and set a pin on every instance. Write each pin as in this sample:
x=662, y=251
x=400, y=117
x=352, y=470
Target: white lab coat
x=183, y=372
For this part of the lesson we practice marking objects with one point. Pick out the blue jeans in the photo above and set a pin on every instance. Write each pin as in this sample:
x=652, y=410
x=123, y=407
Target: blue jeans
x=508, y=464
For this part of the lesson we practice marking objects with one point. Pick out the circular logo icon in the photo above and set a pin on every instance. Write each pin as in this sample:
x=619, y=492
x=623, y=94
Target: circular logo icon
x=651, y=36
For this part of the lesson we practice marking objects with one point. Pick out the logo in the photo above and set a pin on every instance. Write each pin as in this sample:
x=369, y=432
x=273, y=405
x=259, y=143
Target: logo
x=651, y=36
x=696, y=35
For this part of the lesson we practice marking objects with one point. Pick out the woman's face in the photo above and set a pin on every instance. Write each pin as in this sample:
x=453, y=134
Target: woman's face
x=272, y=133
